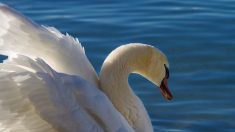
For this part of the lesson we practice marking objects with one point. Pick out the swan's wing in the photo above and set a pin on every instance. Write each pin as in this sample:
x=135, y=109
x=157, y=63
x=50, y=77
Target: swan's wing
x=35, y=98
x=19, y=35
x=32, y=100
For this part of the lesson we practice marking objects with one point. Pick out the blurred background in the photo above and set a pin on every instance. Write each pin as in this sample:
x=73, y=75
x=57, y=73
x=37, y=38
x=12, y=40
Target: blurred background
x=197, y=36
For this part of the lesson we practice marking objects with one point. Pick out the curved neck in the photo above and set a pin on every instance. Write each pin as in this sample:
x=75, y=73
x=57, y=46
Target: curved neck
x=114, y=82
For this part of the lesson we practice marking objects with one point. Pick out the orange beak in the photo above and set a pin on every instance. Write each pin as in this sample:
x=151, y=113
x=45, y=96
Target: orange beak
x=165, y=90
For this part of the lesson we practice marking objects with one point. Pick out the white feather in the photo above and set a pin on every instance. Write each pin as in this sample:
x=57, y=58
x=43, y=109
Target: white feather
x=18, y=35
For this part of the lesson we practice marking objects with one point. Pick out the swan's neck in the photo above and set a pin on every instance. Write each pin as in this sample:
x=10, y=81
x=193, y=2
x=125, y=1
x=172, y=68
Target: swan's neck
x=114, y=83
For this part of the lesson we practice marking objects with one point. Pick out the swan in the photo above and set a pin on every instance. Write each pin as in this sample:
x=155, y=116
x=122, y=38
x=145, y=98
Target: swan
x=48, y=84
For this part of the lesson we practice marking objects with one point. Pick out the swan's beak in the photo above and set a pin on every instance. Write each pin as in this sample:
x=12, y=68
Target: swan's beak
x=165, y=90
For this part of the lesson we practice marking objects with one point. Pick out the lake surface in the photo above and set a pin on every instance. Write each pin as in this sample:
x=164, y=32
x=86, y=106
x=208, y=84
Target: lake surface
x=197, y=36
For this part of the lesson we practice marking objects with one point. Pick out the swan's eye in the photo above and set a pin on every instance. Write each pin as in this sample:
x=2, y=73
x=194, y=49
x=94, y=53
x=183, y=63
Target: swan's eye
x=167, y=72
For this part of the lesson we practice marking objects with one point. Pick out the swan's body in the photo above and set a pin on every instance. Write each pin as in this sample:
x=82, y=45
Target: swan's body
x=48, y=84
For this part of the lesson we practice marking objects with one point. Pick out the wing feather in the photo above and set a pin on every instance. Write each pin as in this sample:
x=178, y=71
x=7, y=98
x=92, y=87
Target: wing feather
x=35, y=100
x=19, y=35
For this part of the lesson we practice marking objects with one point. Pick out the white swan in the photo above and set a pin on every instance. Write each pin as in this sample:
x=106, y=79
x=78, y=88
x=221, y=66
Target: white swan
x=47, y=84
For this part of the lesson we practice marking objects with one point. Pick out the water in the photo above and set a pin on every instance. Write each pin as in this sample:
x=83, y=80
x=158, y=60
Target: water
x=197, y=36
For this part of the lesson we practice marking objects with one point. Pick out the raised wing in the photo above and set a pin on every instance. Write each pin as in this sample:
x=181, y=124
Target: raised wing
x=19, y=35
x=35, y=98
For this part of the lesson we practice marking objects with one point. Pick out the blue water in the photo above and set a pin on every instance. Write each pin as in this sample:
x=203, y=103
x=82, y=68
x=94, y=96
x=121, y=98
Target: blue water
x=197, y=36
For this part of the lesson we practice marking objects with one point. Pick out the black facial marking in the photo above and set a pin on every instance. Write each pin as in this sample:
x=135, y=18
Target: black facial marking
x=167, y=72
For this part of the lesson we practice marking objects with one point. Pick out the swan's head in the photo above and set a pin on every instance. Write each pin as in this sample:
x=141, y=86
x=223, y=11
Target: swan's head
x=158, y=72
x=156, y=69
x=142, y=59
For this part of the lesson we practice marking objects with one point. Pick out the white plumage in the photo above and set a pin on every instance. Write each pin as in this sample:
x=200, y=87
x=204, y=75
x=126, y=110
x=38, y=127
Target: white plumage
x=48, y=84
